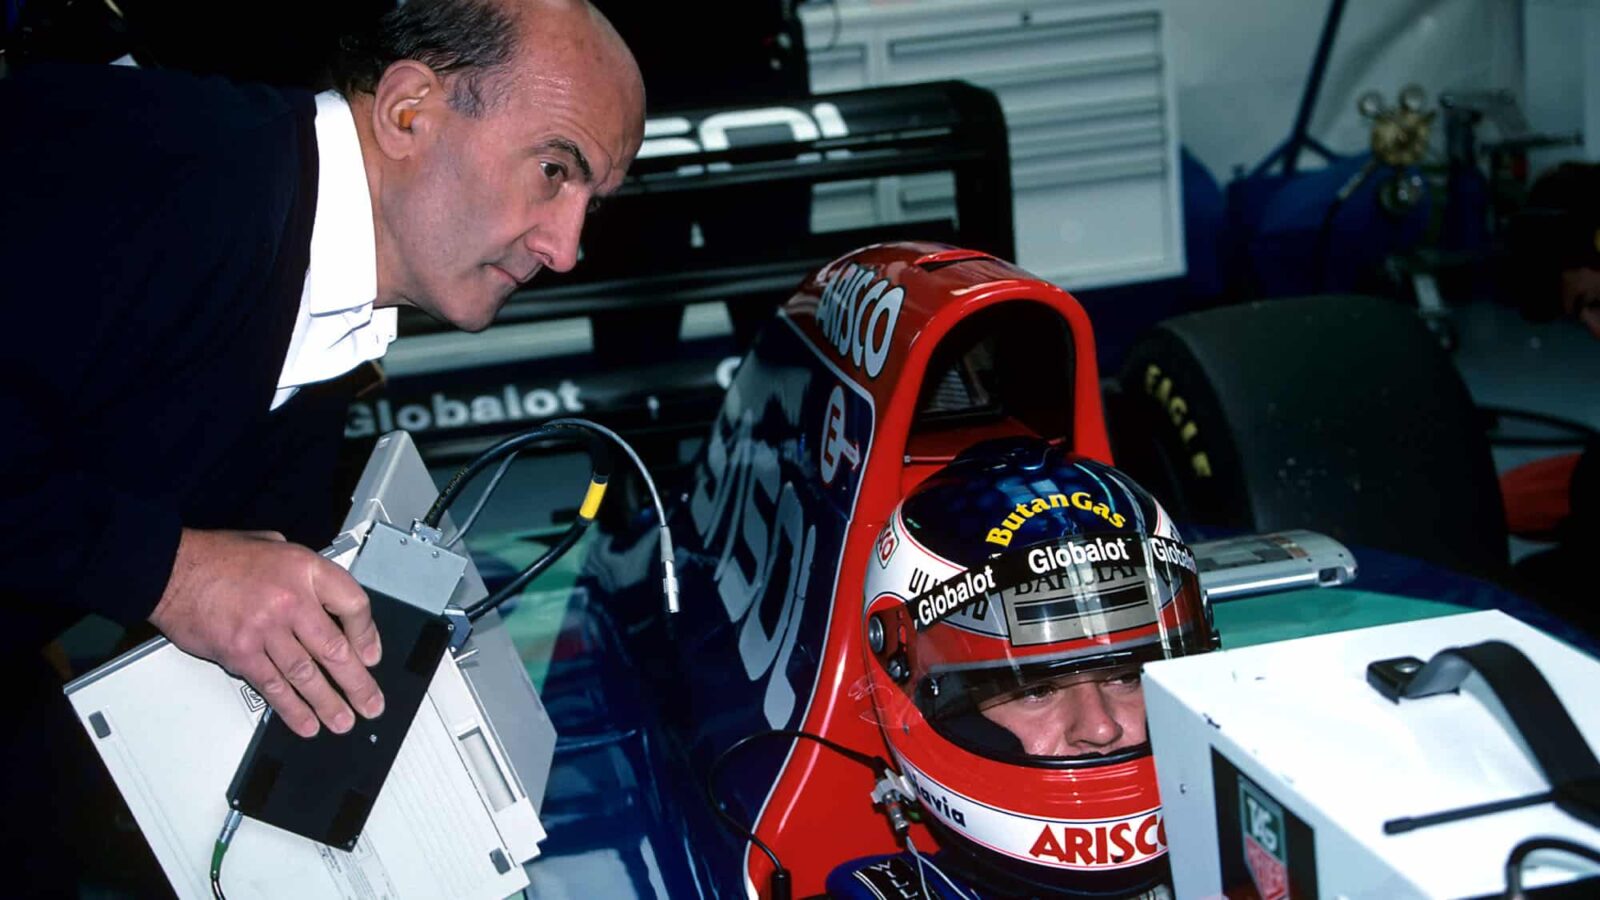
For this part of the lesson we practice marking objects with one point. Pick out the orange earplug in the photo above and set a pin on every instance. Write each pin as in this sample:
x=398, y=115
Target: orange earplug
x=405, y=118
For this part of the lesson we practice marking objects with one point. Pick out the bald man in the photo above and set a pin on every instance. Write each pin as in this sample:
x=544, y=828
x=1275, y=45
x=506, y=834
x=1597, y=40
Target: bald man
x=486, y=134
x=182, y=260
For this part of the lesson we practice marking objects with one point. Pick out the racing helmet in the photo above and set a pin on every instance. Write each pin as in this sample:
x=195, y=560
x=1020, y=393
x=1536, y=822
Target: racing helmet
x=1010, y=601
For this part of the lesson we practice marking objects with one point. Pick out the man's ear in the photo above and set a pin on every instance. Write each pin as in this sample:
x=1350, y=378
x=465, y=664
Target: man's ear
x=405, y=107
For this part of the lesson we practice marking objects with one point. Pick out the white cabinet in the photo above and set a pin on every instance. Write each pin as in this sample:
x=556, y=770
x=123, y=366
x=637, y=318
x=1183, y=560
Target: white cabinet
x=1090, y=116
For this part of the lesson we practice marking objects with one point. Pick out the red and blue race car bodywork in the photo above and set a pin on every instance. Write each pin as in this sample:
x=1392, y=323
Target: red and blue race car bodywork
x=880, y=368
x=830, y=419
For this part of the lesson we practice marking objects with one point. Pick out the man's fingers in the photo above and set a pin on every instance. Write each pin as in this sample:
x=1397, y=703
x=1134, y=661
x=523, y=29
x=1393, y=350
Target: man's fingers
x=341, y=596
x=260, y=606
x=317, y=633
x=362, y=634
x=307, y=680
x=275, y=689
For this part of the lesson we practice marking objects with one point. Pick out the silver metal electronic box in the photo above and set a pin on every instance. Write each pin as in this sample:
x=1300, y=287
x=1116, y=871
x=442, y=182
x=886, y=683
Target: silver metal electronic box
x=457, y=815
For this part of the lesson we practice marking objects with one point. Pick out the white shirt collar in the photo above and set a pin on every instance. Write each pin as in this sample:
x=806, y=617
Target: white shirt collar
x=336, y=328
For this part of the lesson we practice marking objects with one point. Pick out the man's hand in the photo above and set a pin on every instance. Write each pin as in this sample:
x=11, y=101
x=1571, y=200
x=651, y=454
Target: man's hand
x=259, y=606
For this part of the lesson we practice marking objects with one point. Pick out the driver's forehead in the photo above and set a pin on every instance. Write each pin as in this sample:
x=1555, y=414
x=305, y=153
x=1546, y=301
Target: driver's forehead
x=1064, y=690
x=1069, y=691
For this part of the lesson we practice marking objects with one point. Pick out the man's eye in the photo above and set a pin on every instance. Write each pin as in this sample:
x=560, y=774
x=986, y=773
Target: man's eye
x=1038, y=692
x=1129, y=680
x=553, y=171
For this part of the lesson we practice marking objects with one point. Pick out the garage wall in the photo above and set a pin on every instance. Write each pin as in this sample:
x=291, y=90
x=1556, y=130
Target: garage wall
x=1563, y=74
x=1240, y=66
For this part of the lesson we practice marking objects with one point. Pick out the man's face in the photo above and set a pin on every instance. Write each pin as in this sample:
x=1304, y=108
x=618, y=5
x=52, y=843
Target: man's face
x=1075, y=715
x=488, y=201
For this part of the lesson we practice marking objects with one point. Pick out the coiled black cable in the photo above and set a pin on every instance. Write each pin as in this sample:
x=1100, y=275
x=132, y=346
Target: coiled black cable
x=534, y=570
x=595, y=443
x=599, y=457
x=1521, y=852
x=781, y=884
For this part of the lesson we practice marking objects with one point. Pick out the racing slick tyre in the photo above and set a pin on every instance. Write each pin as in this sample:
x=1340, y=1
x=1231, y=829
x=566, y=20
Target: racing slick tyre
x=1337, y=413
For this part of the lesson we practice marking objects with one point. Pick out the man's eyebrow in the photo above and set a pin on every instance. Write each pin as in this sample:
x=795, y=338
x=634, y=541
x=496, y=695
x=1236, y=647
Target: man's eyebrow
x=573, y=150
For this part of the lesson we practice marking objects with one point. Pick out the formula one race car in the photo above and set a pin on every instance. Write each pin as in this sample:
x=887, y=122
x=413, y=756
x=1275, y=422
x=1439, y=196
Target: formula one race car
x=694, y=755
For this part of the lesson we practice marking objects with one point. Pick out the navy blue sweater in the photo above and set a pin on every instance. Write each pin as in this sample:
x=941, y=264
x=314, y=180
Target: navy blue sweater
x=154, y=234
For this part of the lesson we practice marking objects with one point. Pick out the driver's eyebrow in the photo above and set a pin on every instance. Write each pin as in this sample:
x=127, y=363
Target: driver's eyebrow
x=573, y=150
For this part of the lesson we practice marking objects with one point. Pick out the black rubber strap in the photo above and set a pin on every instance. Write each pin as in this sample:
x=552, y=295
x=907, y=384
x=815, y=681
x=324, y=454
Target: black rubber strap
x=1536, y=715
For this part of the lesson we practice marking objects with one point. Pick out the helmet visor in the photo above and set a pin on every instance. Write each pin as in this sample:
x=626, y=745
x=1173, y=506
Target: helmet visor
x=1037, y=653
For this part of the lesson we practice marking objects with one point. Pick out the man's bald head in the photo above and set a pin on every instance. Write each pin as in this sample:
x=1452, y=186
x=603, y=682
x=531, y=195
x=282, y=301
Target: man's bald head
x=571, y=41
x=491, y=130
x=482, y=45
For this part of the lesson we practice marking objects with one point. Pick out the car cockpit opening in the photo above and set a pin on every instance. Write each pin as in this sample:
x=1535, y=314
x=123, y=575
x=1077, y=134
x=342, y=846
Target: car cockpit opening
x=1004, y=370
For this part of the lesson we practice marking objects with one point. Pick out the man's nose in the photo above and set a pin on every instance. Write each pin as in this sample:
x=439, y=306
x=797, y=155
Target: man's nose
x=555, y=238
x=1089, y=723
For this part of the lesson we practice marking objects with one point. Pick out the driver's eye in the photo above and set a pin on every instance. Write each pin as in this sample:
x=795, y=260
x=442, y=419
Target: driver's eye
x=553, y=171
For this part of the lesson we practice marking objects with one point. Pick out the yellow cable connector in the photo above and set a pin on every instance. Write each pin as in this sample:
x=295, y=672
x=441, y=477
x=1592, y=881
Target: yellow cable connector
x=591, y=500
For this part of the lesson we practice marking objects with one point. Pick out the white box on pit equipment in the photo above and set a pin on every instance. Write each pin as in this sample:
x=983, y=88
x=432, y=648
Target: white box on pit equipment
x=1279, y=765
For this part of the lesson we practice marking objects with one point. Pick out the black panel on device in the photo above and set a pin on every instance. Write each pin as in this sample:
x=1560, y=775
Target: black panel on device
x=323, y=788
